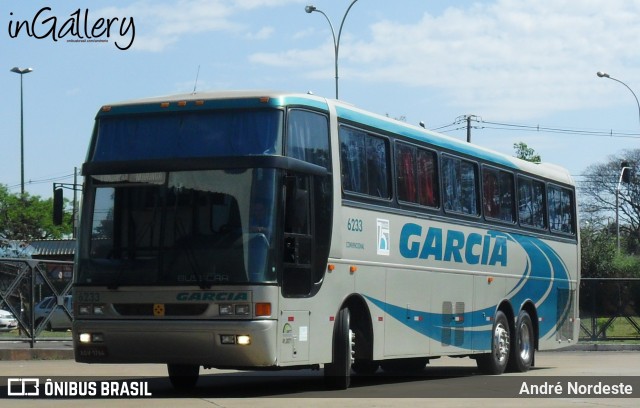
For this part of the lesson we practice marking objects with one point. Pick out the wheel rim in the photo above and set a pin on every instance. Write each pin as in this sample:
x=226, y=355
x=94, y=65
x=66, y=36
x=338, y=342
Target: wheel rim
x=525, y=343
x=501, y=343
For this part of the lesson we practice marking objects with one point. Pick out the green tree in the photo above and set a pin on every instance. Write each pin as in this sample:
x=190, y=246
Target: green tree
x=28, y=218
x=525, y=152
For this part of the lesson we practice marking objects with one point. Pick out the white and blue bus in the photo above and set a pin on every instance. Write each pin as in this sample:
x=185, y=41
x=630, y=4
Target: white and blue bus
x=266, y=230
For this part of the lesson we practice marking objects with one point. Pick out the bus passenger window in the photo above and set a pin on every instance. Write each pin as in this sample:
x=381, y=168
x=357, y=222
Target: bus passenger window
x=417, y=179
x=531, y=210
x=364, y=160
x=560, y=202
x=497, y=197
x=459, y=186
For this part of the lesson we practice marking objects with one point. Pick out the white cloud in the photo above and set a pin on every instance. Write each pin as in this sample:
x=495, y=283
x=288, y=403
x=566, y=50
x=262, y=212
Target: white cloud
x=537, y=55
x=161, y=24
x=263, y=34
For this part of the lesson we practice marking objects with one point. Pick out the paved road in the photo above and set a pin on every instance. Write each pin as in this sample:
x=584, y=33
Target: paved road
x=445, y=378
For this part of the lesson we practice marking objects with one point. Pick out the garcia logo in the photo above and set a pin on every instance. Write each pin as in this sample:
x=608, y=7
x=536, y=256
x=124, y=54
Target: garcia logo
x=76, y=28
x=452, y=246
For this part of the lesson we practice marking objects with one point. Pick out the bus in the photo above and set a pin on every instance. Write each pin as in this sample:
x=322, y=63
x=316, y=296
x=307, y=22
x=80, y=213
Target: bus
x=269, y=230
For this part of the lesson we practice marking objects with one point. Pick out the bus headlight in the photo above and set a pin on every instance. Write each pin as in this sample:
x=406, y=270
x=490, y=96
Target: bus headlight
x=242, y=309
x=88, y=338
x=234, y=310
x=225, y=310
x=241, y=339
x=91, y=309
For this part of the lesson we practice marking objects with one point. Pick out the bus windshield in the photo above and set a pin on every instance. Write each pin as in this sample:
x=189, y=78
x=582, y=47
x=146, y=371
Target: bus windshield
x=181, y=228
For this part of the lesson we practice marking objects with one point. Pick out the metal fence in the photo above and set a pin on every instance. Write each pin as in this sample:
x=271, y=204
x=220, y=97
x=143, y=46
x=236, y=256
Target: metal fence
x=609, y=309
x=24, y=284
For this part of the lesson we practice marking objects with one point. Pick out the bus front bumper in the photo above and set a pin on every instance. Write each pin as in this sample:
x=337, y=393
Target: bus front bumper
x=207, y=343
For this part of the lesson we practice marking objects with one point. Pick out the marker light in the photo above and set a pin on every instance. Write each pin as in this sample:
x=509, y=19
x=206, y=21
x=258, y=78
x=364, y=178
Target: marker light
x=263, y=309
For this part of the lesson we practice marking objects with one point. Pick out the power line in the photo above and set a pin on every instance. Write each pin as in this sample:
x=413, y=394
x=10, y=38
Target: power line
x=560, y=130
x=42, y=181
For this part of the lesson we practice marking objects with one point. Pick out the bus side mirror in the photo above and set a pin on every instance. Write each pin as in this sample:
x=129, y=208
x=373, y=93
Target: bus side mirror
x=58, y=203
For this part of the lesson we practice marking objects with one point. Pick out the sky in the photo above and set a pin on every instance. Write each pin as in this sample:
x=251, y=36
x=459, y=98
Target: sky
x=526, y=69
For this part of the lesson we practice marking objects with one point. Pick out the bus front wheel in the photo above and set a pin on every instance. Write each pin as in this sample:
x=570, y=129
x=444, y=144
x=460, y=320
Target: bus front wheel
x=495, y=362
x=183, y=376
x=337, y=374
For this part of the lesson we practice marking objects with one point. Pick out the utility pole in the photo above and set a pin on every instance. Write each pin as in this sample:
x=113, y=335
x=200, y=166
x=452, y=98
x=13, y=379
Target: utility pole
x=468, y=119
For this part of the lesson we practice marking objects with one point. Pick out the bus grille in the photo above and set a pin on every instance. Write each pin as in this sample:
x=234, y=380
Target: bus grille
x=170, y=309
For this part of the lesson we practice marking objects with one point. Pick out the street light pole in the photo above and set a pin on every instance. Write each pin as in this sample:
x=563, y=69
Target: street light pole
x=336, y=41
x=21, y=71
x=624, y=167
x=605, y=75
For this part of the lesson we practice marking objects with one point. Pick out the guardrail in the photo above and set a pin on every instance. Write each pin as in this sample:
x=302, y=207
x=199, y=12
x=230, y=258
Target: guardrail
x=24, y=283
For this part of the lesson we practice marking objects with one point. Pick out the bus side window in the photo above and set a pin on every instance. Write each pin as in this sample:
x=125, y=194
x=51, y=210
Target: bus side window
x=497, y=197
x=531, y=205
x=560, y=202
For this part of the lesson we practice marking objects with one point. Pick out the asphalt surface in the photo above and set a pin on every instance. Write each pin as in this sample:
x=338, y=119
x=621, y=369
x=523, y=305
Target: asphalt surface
x=445, y=382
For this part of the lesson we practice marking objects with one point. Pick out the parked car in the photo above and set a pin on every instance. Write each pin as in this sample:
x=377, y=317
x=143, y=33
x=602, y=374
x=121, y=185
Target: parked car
x=59, y=320
x=8, y=321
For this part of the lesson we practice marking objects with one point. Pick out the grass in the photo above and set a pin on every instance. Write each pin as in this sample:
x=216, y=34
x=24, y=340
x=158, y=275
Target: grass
x=43, y=335
x=620, y=328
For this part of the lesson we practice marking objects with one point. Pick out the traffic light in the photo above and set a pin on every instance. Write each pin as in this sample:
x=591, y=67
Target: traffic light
x=57, y=206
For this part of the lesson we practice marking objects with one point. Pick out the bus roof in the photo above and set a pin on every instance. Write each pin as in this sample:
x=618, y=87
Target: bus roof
x=345, y=111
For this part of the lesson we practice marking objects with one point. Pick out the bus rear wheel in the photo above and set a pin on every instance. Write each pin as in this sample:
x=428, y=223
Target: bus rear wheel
x=183, y=376
x=495, y=362
x=523, y=350
x=337, y=374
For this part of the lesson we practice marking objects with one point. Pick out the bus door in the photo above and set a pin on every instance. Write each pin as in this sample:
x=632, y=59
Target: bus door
x=297, y=266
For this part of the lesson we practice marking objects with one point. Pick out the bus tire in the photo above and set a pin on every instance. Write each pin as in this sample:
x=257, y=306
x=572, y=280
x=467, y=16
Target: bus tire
x=337, y=374
x=495, y=362
x=523, y=349
x=183, y=376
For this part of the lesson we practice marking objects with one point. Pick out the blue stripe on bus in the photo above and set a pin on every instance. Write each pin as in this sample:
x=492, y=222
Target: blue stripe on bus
x=544, y=276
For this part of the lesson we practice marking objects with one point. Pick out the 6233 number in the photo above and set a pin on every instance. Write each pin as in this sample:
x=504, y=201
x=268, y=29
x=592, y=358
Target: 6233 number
x=354, y=224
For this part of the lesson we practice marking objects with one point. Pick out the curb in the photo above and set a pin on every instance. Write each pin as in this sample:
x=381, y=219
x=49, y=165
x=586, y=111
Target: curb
x=35, y=354
x=599, y=347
